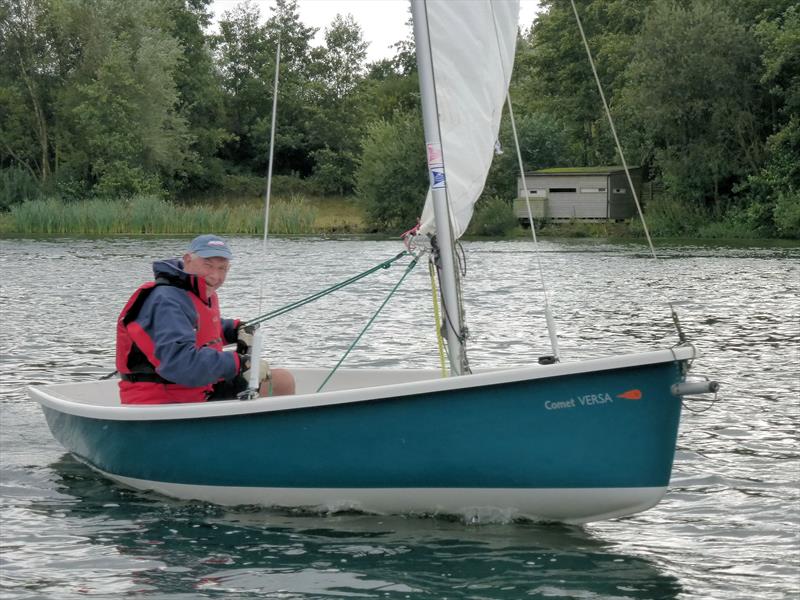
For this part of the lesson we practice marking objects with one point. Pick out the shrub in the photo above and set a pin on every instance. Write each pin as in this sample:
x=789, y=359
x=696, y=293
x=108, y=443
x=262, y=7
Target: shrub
x=668, y=217
x=118, y=178
x=391, y=180
x=333, y=171
x=16, y=186
x=787, y=214
x=286, y=186
x=243, y=185
x=543, y=143
x=493, y=217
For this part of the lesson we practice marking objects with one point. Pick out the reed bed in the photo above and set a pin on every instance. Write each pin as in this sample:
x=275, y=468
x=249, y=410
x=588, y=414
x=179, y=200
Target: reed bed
x=153, y=215
x=292, y=217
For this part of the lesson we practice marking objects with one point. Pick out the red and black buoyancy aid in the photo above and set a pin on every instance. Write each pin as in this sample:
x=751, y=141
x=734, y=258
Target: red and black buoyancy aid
x=136, y=359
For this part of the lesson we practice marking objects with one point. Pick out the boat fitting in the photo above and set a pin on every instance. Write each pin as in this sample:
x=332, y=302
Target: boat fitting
x=687, y=388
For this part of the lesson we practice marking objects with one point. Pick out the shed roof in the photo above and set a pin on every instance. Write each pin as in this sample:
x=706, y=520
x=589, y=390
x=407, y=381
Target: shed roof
x=580, y=170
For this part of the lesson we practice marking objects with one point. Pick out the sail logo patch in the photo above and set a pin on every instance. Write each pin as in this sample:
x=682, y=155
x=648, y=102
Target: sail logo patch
x=435, y=155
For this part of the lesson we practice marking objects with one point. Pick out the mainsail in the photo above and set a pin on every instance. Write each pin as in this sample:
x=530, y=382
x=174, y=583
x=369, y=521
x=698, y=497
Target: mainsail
x=472, y=47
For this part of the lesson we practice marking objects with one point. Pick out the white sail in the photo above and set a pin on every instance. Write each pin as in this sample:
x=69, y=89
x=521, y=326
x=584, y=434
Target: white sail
x=472, y=45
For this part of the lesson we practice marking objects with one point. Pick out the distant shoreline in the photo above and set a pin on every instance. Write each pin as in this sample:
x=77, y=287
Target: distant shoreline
x=294, y=216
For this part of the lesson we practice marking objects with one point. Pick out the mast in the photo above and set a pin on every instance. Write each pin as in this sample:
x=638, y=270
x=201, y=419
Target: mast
x=438, y=181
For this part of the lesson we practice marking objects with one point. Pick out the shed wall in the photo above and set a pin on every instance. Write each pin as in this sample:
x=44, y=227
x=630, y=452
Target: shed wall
x=578, y=195
x=621, y=203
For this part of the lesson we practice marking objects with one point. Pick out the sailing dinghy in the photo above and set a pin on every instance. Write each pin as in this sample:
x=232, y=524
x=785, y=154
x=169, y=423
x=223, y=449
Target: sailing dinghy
x=560, y=441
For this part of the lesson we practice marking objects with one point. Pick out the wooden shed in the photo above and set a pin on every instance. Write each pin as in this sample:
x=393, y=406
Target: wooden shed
x=581, y=193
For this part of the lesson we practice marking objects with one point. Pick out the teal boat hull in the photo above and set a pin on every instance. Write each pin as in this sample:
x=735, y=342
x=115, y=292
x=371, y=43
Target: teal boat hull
x=441, y=447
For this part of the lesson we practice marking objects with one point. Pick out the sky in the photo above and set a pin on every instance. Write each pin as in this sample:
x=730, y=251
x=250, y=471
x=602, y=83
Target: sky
x=383, y=22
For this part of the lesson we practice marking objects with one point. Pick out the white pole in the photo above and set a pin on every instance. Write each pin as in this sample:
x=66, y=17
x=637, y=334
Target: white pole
x=548, y=315
x=436, y=172
x=268, y=191
x=255, y=349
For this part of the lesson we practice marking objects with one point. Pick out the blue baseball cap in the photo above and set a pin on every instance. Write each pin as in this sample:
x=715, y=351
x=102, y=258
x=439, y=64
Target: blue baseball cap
x=209, y=245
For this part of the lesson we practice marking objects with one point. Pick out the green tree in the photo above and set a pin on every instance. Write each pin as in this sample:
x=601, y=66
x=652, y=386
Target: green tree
x=543, y=143
x=392, y=84
x=386, y=89
x=337, y=114
x=31, y=70
x=123, y=132
x=294, y=136
x=553, y=75
x=97, y=91
x=392, y=176
x=246, y=51
x=200, y=97
x=245, y=57
x=773, y=193
x=692, y=95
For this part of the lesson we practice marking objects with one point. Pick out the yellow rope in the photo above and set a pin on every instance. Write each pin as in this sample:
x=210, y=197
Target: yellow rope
x=436, y=317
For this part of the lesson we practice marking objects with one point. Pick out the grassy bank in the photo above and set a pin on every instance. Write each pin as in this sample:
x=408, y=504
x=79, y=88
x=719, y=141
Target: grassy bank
x=672, y=219
x=299, y=214
x=152, y=215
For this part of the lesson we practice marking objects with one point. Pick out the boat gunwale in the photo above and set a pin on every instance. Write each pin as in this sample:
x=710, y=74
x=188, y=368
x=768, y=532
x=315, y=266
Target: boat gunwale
x=157, y=412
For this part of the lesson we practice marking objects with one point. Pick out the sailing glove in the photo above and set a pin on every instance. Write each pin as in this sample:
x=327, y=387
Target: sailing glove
x=264, y=372
x=244, y=338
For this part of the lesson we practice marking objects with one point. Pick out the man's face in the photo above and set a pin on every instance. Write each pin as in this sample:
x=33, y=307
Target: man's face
x=213, y=270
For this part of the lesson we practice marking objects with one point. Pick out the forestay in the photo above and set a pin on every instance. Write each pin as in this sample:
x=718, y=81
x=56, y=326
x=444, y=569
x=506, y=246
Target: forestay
x=473, y=55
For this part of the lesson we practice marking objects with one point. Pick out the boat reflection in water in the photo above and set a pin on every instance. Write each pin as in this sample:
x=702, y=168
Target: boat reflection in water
x=181, y=548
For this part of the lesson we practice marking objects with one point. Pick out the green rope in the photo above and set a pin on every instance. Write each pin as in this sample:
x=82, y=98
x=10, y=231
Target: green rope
x=279, y=311
x=410, y=266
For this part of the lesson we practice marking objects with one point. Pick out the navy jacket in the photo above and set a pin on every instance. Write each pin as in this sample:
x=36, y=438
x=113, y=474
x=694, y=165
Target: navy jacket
x=170, y=319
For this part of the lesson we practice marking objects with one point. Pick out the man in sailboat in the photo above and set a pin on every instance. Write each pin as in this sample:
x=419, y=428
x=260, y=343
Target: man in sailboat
x=170, y=335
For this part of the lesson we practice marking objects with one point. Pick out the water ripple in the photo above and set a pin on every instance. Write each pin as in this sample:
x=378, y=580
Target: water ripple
x=728, y=528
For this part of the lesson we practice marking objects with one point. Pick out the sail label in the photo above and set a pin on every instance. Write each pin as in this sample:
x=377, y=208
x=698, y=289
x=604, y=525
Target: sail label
x=437, y=178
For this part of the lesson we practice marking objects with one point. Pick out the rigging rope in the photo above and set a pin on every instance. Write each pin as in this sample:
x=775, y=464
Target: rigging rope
x=408, y=270
x=437, y=318
x=551, y=324
x=308, y=299
x=613, y=130
x=461, y=333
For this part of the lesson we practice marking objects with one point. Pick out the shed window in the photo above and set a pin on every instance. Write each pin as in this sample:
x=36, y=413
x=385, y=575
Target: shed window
x=592, y=190
x=535, y=193
x=562, y=190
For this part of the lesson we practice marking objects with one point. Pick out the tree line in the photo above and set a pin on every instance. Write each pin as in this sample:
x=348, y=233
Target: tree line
x=108, y=99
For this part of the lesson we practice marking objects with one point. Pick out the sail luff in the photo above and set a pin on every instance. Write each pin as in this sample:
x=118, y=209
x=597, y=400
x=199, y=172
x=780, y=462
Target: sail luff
x=472, y=48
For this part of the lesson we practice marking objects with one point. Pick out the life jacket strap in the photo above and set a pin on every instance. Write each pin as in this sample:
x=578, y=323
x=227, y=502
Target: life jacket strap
x=143, y=378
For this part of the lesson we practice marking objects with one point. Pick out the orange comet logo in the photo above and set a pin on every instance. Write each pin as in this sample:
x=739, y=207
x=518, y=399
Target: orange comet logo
x=631, y=395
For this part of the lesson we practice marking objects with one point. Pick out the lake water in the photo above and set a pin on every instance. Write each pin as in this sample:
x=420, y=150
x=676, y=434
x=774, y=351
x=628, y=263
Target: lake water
x=728, y=528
